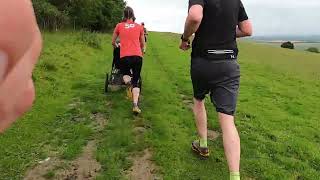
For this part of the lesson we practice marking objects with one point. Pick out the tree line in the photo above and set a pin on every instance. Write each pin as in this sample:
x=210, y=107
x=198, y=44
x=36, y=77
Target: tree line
x=92, y=15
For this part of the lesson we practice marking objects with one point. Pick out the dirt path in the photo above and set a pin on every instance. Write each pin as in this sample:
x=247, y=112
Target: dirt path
x=84, y=167
x=143, y=167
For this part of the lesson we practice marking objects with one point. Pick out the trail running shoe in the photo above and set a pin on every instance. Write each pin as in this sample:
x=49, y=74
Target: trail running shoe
x=129, y=93
x=136, y=110
x=203, y=152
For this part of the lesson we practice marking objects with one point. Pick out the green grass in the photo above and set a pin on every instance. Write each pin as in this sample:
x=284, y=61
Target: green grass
x=67, y=72
x=277, y=115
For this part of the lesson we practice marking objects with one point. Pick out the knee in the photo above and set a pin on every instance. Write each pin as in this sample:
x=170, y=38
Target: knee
x=126, y=79
x=136, y=90
x=198, y=105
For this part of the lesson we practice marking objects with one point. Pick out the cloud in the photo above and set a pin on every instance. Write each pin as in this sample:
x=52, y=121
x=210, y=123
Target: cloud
x=272, y=17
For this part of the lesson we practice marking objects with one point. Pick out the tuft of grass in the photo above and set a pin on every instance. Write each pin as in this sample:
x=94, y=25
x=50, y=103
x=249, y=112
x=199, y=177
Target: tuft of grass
x=49, y=175
x=47, y=66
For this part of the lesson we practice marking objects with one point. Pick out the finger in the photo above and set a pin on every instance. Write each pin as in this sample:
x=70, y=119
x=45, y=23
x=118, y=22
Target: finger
x=3, y=65
x=23, y=104
x=15, y=85
x=25, y=101
x=17, y=33
x=4, y=124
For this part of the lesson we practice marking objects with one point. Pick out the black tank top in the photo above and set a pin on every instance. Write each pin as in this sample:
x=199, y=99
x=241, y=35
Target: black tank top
x=216, y=36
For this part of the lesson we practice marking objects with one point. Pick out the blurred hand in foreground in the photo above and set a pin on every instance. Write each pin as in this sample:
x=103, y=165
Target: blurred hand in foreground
x=20, y=47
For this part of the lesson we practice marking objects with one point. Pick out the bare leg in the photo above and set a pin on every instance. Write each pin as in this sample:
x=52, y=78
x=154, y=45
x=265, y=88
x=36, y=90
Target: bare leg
x=126, y=79
x=231, y=141
x=136, y=94
x=200, y=114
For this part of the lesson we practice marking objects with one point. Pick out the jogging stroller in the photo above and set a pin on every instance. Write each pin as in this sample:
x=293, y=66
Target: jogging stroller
x=114, y=79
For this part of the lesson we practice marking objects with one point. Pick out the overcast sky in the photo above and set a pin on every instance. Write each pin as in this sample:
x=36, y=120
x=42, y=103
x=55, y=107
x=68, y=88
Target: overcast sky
x=270, y=17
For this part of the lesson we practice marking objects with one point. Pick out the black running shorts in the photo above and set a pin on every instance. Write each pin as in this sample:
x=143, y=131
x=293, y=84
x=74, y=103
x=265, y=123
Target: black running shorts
x=131, y=66
x=220, y=79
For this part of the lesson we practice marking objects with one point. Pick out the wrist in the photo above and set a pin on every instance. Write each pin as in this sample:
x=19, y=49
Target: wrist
x=184, y=39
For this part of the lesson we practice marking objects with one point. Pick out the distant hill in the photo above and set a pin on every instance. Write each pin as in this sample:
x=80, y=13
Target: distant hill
x=309, y=38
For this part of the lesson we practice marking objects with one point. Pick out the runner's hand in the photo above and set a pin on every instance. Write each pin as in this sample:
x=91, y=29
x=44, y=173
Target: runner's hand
x=185, y=46
x=114, y=45
x=20, y=46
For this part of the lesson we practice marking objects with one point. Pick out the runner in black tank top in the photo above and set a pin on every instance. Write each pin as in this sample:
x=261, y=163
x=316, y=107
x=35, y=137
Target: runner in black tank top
x=215, y=70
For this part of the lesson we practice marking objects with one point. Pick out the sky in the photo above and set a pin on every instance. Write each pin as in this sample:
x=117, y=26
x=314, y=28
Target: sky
x=269, y=17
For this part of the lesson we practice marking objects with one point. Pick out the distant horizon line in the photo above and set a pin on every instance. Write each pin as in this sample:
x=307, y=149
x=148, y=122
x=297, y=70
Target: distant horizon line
x=287, y=35
x=259, y=35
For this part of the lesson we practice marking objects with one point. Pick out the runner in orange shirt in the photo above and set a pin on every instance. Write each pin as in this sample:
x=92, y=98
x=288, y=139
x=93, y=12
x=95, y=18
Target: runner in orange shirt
x=132, y=43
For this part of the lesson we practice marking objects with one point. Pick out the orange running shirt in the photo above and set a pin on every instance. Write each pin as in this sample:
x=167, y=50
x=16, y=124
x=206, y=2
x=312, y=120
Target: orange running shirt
x=129, y=33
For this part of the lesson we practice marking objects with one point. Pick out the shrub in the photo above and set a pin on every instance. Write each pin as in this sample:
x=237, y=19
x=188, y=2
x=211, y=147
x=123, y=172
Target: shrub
x=91, y=39
x=313, y=49
x=287, y=45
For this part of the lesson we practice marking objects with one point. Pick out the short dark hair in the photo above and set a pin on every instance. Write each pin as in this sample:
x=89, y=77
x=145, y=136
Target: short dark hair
x=128, y=14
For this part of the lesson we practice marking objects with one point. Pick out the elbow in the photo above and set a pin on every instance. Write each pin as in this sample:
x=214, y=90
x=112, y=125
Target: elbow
x=246, y=28
x=246, y=32
x=195, y=19
x=249, y=32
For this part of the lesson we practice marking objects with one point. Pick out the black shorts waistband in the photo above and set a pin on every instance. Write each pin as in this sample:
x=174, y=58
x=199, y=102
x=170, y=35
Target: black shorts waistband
x=217, y=54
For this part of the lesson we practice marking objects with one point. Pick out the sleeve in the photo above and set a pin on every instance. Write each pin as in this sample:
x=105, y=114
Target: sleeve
x=196, y=2
x=117, y=29
x=242, y=16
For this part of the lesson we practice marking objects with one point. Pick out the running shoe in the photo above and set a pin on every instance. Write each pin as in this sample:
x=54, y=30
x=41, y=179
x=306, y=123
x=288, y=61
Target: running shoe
x=203, y=152
x=136, y=110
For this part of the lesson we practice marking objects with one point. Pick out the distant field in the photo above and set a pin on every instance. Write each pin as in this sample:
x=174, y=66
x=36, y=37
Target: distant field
x=298, y=46
x=304, y=46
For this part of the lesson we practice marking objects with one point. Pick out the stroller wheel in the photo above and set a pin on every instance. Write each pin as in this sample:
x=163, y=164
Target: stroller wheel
x=106, y=83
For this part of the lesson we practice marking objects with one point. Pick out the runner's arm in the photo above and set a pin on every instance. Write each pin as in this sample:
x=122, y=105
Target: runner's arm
x=142, y=40
x=115, y=36
x=244, y=27
x=193, y=20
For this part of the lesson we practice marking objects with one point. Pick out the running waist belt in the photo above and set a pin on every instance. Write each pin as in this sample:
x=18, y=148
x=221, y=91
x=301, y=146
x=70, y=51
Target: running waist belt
x=220, y=54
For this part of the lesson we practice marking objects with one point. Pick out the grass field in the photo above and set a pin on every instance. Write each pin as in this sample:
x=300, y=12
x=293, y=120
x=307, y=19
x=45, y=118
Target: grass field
x=278, y=114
